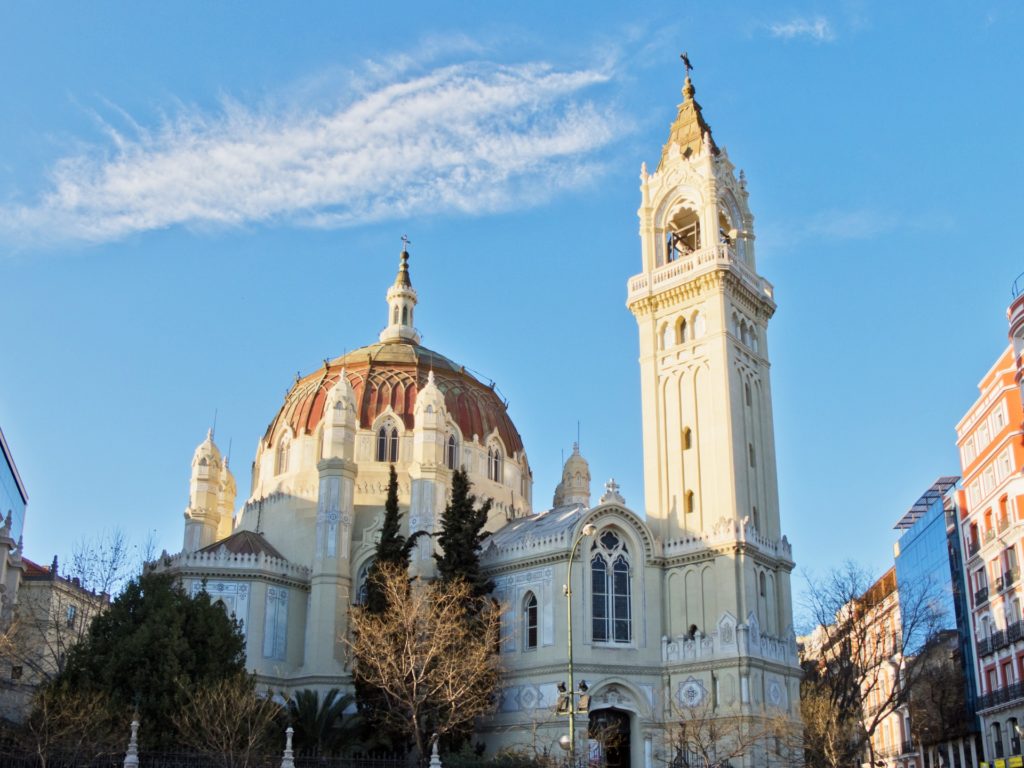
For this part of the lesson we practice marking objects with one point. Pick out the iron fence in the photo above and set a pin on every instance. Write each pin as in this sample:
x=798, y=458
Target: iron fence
x=192, y=760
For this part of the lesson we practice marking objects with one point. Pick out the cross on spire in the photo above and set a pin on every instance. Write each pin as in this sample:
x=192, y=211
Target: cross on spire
x=406, y=242
x=686, y=62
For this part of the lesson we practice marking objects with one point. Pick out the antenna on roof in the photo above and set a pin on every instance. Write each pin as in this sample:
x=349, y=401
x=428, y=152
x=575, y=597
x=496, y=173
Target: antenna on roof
x=577, y=433
x=213, y=429
x=227, y=461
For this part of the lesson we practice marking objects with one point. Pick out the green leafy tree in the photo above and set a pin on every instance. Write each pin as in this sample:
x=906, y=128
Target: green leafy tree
x=462, y=532
x=153, y=646
x=393, y=549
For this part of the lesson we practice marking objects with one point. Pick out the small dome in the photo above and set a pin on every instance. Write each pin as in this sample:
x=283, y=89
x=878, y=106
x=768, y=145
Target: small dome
x=575, y=485
x=207, y=450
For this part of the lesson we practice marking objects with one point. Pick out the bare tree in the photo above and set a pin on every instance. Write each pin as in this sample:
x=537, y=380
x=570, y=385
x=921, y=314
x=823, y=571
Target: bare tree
x=228, y=722
x=938, y=702
x=102, y=563
x=864, y=633
x=72, y=726
x=430, y=655
x=702, y=736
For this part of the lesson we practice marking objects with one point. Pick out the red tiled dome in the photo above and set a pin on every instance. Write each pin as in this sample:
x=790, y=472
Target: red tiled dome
x=392, y=374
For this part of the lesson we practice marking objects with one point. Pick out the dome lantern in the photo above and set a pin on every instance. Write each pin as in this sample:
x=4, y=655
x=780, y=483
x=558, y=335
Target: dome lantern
x=401, y=300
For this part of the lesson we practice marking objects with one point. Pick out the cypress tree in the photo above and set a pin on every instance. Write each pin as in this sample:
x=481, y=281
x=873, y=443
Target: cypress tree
x=462, y=532
x=392, y=549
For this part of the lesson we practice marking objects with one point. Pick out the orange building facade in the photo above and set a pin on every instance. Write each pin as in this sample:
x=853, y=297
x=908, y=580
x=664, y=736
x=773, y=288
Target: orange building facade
x=990, y=438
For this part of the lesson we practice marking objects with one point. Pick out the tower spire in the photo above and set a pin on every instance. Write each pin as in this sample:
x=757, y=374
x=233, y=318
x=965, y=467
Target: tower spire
x=689, y=128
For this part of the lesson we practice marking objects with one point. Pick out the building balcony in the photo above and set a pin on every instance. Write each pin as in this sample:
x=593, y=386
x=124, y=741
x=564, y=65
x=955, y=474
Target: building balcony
x=981, y=596
x=907, y=748
x=999, y=640
x=984, y=646
x=972, y=547
x=1010, y=577
x=689, y=266
x=989, y=535
x=1015, y=631
x=1002, y=524
x=1006, y=695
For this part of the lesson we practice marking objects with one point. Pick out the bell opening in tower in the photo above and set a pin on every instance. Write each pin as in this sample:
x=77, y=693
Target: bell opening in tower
x=683, y=235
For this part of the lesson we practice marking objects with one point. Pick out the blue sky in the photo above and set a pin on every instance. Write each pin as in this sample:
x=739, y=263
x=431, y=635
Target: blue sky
x=198, y=200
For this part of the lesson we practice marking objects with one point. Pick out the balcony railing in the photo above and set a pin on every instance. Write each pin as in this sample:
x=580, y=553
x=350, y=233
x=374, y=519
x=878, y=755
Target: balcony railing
x=984, y=646
x=989, y=535
x=1015, y=631
x=1002, y=524
x=1006, y=695
x=1010, y=576
x=981, y=596
x=907, y=748
x=999, y=640
x=972, y=547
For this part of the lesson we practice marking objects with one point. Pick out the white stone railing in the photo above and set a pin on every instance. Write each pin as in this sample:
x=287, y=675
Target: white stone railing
x=727, y=531
x=729, y=639
x=698, y=262
x=556, y=542
x=224, y=559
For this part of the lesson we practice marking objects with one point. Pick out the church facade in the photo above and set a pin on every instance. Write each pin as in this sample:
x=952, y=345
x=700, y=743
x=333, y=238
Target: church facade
x=681, y=607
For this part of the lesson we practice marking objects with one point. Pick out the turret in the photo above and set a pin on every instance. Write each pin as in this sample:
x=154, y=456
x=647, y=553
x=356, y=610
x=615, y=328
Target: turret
x=401, y=303
x=340, y=422
x=226, y=502
x=203, y=514
x=575, y=485
x=430, y=417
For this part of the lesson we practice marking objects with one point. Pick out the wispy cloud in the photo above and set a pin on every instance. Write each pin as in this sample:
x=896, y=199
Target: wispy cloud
x=818, y=29
x=853, y=224
x=468, y=138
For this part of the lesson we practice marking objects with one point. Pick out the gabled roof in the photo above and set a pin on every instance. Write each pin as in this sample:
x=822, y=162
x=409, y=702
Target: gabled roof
x=245, y=543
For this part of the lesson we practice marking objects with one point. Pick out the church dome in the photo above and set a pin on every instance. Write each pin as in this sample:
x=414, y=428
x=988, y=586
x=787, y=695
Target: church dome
x=390, y=375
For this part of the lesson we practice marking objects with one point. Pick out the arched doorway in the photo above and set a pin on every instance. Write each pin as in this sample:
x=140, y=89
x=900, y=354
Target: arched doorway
x=609, y=728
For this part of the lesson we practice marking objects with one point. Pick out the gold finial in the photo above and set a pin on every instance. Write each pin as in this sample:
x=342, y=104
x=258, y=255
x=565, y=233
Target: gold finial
x=688, y=89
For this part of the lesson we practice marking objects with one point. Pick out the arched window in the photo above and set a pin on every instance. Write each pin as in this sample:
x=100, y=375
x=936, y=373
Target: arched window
x=530, y=620
x=690, y=504
x=495, y=469
x=683, y=235
x=747, y=397
x=362, y=592
x=405, y=315
x=687, y=439
x=610, y=590
x=680, y=330
x=451, y=451
x=394, y=316
x=284, y=448
x=750, y=450
x=387, y=443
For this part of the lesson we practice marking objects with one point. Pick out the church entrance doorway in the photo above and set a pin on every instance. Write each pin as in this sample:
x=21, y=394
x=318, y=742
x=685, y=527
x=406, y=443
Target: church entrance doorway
x=609, y=728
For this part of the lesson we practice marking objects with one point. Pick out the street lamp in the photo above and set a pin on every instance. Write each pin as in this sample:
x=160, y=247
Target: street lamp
x=588, y=530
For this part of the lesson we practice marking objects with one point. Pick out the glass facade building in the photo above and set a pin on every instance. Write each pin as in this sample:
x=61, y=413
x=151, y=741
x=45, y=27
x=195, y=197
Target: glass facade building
x=929, y=555
x=13, y=499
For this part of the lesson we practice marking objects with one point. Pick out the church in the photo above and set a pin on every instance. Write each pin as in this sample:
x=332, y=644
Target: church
x=679, y=606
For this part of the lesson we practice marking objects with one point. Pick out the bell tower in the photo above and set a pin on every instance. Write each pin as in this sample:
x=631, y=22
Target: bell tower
x=702, y=312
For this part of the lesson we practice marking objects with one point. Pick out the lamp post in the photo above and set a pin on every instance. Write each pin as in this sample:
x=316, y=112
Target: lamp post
x=588, y=530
